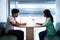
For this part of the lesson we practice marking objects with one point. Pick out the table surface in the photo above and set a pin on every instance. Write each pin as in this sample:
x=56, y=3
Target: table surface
x=24, y=26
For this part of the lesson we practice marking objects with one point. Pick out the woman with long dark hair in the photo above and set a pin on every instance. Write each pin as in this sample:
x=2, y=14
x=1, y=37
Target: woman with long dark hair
x=50, y=30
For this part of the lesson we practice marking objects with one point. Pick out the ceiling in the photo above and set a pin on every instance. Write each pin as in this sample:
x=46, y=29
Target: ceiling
x=33, y=0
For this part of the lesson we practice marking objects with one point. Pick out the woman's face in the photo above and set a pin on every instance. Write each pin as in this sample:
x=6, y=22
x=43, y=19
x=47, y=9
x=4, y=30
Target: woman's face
x=44, y=15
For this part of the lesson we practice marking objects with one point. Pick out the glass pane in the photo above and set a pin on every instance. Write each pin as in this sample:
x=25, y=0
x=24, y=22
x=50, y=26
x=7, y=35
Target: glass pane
x=12, y=4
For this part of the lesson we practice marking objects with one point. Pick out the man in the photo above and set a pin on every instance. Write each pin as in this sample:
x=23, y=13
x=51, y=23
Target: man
x=11, y=23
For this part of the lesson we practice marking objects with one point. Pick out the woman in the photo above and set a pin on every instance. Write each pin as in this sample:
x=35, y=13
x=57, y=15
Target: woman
x=50, y=31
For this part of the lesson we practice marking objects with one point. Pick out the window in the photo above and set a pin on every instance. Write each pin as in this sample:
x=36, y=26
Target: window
x=33, y=10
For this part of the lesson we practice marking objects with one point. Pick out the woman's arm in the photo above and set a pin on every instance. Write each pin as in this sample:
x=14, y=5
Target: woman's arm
x=46, y=22
x=39, y=23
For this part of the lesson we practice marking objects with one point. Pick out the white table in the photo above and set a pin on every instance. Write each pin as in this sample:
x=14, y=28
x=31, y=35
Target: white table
x=30, y=31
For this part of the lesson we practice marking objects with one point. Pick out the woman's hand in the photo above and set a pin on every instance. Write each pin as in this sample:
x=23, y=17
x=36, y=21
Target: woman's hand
x=39, y=23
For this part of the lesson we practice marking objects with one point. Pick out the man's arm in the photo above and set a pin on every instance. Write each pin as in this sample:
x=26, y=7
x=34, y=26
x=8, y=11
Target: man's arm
x=14, y=24
x=22, y=23
x=17, y=24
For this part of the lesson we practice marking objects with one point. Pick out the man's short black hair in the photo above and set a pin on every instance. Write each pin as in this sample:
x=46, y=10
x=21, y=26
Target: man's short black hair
x=14, y=11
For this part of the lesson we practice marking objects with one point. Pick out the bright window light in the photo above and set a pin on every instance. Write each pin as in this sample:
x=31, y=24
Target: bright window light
x=36, y=5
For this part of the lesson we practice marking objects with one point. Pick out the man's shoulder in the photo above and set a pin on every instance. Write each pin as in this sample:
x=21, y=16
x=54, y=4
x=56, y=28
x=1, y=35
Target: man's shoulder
x=10, y=17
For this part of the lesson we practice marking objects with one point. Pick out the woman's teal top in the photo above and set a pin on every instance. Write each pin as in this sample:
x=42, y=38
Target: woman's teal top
x=49, y=27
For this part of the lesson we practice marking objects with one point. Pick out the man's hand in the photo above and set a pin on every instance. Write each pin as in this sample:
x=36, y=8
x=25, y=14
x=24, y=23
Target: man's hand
x=22, y=24
x=17, y=24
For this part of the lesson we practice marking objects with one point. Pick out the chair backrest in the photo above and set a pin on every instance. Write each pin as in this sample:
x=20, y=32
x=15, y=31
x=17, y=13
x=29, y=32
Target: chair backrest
x=2, y=28
x=58, y=26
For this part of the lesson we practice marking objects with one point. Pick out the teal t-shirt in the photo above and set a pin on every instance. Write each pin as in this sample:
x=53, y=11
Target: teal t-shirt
x=49, y=27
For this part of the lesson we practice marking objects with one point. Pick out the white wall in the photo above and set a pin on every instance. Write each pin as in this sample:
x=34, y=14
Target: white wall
x=3, y=10
x=58, y=14
x=58, y=10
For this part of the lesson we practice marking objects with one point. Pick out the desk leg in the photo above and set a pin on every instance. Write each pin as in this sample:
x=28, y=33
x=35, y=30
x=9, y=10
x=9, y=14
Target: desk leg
x=29, y=33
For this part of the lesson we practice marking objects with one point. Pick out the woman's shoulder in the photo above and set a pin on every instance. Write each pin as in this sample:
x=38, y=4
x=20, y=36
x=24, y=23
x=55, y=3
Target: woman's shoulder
x=48, y=18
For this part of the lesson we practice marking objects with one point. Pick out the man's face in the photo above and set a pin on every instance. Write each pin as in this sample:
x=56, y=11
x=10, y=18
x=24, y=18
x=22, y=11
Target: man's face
x=16, y=14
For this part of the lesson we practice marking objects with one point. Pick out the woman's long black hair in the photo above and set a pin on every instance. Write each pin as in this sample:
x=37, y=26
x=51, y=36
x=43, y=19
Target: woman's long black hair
x=48, y=14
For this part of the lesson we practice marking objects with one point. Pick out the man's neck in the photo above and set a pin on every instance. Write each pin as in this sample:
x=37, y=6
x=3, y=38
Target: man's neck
x=13, y=16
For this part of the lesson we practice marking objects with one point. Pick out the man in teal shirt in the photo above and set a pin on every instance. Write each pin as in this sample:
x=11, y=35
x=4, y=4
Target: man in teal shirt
x=50, y=30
